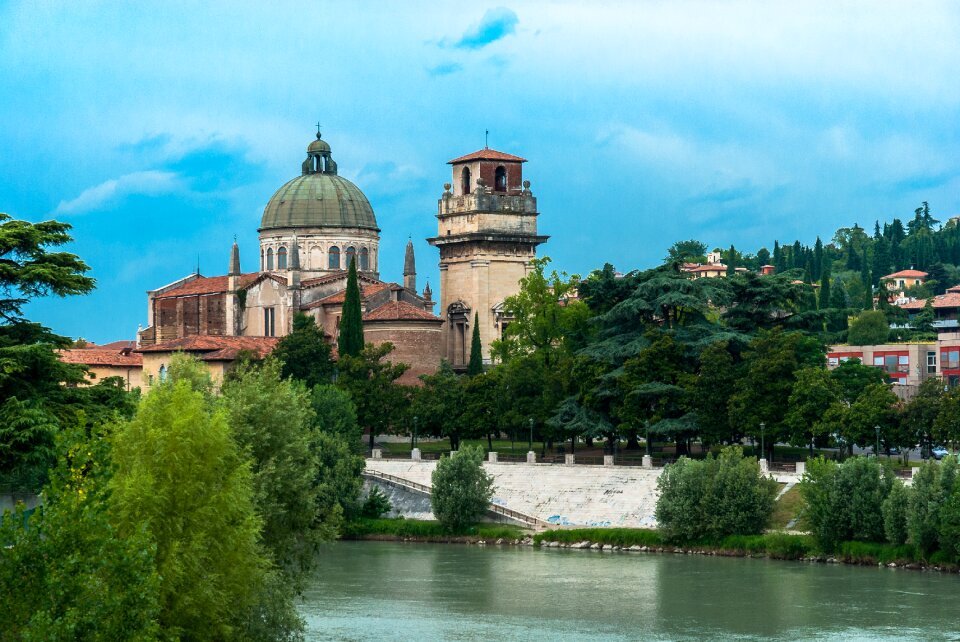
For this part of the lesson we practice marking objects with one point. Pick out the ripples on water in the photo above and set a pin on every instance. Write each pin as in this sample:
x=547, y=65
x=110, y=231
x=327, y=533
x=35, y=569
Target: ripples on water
x=400, y=591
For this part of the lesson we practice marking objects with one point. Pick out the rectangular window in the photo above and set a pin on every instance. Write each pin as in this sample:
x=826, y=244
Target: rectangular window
x=878, y=361
x=269, y=323
x=950, y=359
x=931, y=363
x=833, y=361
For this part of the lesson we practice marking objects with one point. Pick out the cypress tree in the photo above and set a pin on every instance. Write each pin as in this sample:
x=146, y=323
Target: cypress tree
x=825, y=286
x=475, y=366
x=350, y=341
x=778, y=263
x=732, y=262
x=817, y=259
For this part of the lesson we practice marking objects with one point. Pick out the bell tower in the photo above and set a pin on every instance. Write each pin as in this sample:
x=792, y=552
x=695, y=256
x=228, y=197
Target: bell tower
x=487, y=236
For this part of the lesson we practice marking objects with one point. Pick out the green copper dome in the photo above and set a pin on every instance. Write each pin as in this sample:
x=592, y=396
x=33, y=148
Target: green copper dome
x=319, y=197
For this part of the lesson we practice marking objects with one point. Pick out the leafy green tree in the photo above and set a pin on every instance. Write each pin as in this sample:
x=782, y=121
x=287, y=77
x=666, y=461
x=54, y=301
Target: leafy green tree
x=845, y=501
x=920, y=413
x=895, y=510
x=370, y=380
x=691, y=251
x=273, y=421
x=475, y=366
x=814, y=390
x=713, y=498
x=546, y=321
x=946, y=424
x=876, y=406
x=439, y=405
x=762, y=393
x=69, y=575
x=923, y=322
x=932, y=487
x=869, y=328
x=710, y=393
x=462, y=489
x=182, y=481
x=731, y=261
x=337, y=415
x=350, y=341
x=305, y=353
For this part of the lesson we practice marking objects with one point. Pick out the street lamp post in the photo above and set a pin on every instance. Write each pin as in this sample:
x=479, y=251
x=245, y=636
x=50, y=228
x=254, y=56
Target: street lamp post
x=878, y=441
x=531, y=433
x=647, y=438
x=763, y=430
x=415, y=418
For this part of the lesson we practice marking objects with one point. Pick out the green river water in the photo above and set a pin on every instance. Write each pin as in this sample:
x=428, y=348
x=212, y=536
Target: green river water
x=422, y=592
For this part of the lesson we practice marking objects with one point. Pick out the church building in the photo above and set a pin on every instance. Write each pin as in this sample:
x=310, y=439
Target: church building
x=313, y=227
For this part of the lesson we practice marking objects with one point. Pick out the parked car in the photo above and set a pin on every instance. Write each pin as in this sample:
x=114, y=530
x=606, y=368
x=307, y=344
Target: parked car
x=938, y=452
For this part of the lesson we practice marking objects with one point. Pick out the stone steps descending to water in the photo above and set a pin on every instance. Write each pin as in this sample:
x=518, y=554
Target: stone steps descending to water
x=561, y=495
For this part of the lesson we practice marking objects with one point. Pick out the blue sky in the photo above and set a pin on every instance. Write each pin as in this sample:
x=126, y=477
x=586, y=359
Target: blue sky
x=161, y=131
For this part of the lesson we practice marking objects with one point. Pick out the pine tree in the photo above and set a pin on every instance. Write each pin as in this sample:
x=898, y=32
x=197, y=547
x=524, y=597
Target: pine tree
x=350, y=342
x=475, y=366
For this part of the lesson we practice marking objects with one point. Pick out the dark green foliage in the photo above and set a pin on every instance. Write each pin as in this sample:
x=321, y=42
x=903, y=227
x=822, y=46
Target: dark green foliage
x=623, y=537
x=461, y=488
x=427, y=530
x=369, y=379
x=714, y=497
x=932, y=488
x=68, y=574
x=305, y=353
x=845, y=501
x=691, y=251
x=350, y=341
x=375, y=505
x=869, y=328
x=895, y=510
x=475, y=366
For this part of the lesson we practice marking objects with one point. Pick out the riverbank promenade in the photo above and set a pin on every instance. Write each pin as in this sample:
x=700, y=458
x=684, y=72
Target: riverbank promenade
x=561, y=495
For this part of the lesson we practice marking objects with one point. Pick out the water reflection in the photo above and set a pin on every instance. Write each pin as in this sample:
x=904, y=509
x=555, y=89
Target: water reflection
x=401, y=591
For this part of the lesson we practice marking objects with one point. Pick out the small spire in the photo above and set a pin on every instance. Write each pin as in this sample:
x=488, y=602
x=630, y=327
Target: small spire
x=409, y=268
x=318, y=130
x=234, y=258
x=486, y=139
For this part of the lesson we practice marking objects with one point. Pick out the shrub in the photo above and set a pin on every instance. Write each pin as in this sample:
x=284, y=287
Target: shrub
x=932, y=487
x=715, y=497
x=461, y=488
x=399, y=527
x=606, y=536
x=376, y=504
x=895, y=513
x=845, y=501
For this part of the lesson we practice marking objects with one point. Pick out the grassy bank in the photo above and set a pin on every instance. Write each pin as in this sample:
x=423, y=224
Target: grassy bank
x=431, y=531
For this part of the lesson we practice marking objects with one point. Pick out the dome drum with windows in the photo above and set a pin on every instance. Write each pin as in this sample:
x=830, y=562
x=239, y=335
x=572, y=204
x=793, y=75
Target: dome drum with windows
x=326, y=215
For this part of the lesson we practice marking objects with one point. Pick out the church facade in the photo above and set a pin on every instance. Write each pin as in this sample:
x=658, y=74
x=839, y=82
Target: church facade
x=311, y=230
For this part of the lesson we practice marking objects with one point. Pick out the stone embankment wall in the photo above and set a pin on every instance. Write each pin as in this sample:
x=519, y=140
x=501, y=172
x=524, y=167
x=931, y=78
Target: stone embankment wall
x=560, y=495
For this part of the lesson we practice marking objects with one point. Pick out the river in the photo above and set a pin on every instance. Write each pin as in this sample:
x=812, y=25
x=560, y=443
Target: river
x=422, y=592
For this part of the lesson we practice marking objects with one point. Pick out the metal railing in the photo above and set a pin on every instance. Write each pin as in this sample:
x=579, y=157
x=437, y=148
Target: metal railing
x=409, y=484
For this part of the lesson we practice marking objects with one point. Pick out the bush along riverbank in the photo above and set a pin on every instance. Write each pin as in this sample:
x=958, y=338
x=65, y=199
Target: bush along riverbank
x=400, y=529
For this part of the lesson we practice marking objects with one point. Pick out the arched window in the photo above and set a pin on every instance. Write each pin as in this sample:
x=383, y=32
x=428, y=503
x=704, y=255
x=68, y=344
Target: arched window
x=500, y=180
x=465, y=180
x=282, y=258
x=351, y=254
x=333, y=260
x=270, y=259
x=364, y=259
x=262, y=264
x=163, y=373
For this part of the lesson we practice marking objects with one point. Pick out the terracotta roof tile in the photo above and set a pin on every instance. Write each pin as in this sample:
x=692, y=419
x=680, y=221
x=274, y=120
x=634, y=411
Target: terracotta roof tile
x=333, y=278
x=487, y=154
x=101, y=357
x=907, y=274
x=399, y=311
x=207, y=285
x=949, y=300
x=214, y=344
x=338, y=297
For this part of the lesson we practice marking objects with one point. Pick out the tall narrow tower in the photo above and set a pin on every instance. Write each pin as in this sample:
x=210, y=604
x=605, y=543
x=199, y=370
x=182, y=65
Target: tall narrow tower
x=487, y=236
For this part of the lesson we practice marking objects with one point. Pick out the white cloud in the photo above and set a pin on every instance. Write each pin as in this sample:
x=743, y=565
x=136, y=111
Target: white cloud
x=148, y=183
